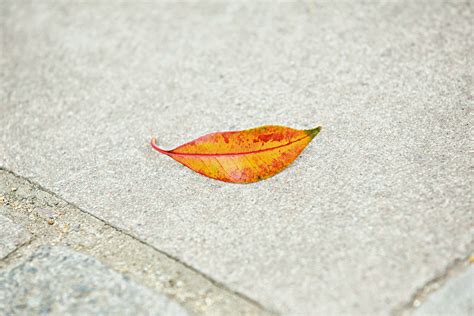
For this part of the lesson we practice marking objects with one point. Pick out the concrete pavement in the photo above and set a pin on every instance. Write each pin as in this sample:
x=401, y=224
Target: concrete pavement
x=377, y=206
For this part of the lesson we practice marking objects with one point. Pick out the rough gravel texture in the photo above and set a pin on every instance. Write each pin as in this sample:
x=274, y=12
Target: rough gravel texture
x=11, y=235
x=376, y=206
x=60, y=281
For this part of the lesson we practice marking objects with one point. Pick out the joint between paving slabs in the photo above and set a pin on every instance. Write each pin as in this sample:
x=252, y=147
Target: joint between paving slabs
x=53, y=221
x=419, y=297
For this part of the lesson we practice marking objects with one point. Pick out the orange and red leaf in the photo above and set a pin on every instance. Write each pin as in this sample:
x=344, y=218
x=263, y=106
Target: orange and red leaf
x=242, y=156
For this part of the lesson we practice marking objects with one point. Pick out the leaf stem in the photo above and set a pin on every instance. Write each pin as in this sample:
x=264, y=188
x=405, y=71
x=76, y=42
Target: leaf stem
x=155, y=147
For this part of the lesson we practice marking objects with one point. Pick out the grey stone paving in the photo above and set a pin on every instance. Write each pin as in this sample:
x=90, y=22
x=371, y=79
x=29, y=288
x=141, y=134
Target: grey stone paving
x=456, y=297
x=59, y=281
x=377, y=205
x=12, y=235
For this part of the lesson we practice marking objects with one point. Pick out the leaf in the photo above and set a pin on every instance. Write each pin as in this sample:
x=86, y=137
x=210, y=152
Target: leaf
x=242, y=156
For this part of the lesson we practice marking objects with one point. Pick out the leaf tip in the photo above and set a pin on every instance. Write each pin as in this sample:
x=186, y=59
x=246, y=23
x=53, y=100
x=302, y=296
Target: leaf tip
x=313, y=132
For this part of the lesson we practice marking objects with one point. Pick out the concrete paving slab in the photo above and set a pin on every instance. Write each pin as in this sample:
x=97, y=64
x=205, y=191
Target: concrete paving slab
x=375, y=207
x=60, y=281
x=456, y=297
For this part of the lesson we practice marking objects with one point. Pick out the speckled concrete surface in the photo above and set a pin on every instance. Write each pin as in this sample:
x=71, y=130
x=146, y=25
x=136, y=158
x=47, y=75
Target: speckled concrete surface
x=375, y=207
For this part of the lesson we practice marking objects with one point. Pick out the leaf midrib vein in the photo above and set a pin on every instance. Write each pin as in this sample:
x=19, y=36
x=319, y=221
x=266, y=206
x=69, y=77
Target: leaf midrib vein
x=236, y=154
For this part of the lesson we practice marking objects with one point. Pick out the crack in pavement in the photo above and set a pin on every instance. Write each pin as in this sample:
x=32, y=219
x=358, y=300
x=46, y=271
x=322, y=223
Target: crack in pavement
x=419, y=297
